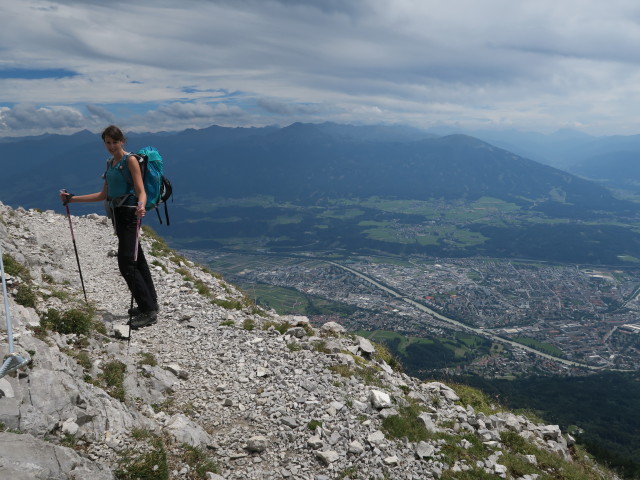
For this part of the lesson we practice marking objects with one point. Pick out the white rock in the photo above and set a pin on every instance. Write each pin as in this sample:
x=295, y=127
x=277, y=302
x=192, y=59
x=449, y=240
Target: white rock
x=257, y=444
x=6, y=388
x=392, y=460
x=429, y=424
x=356, y=448
x=328, y=457
x=376, y=438
x=425, y=450
x=379, y=399
x=69, y=427
x=365, y=345
x=333, y=327
x=315, y=443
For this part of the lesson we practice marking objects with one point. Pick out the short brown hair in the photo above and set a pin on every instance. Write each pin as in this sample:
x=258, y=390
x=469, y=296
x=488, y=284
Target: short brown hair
x=114, y=133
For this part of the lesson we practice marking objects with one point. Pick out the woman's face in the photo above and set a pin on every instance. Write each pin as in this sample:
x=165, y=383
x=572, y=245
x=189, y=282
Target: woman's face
x=113, y=146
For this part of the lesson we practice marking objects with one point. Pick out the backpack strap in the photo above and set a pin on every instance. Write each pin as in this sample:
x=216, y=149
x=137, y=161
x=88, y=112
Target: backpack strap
x=166, y=214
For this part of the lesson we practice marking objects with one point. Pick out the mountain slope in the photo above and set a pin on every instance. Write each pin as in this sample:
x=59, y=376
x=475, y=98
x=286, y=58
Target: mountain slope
x=219, y=386
x=619, y=169
x=303, y=163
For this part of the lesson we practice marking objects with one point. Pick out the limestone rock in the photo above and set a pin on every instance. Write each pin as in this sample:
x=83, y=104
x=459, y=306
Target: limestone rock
x=25, y=457
x=379, y=399
x=328, y=457
x=185, y=431
x=257, y=444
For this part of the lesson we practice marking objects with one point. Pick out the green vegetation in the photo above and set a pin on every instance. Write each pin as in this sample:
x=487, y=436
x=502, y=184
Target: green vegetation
x=74, y=321
x=406, y=424
x=281, y=327
x=161, y=265
x=81, y=357
x=61, y=295
x=69, y=441
x=313, y=424
x=198, y=461
x=289, y=301
x=159, y=247
x=383, y=354
x=366, y=373
x=112, y=379
x=230, y=304
x=603, y=406
x=147, y=358
x=248, y=324
x=349, y=472
x=549, y=465
x=26, y=296
x=479, y=400
x=154, y=460
x=419, y=355
x=485, y=226
x=149, y=465
x=542, y=347
x=14, y=268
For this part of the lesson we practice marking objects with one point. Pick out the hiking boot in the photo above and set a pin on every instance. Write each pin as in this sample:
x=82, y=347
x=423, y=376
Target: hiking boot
x=136, y=311
x=144, y=319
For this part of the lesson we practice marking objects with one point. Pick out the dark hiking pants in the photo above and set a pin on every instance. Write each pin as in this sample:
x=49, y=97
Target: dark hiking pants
x=136, y=274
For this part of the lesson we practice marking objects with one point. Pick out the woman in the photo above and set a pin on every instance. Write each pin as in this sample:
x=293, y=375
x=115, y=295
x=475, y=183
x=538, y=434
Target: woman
x=124, y=191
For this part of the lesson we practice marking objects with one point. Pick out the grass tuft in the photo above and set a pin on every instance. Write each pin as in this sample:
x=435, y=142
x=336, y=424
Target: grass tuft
x=112, y=377
x=74, y=321
x=14, y=268
x=198, y=461
x=150, y=465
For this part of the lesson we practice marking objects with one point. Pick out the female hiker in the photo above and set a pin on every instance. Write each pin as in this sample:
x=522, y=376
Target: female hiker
x=124, y=191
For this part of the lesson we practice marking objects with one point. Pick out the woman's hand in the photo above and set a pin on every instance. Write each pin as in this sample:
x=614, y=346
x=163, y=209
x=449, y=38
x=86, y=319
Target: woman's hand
x=140, y=210
x=65, y=197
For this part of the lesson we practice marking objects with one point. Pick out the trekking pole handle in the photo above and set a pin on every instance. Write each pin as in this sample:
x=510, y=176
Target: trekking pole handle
x=67, y=196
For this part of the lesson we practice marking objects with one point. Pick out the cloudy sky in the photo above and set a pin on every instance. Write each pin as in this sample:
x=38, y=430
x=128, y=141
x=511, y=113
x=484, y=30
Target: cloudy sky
x=149, y=65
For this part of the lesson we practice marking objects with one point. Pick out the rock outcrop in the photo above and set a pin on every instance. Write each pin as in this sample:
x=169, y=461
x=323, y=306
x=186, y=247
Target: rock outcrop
x=260, y=396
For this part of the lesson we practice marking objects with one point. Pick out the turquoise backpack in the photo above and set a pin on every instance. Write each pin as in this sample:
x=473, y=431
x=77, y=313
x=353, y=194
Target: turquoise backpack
x=157, y=187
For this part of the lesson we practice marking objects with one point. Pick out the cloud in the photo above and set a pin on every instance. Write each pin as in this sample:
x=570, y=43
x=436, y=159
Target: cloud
x=28, y=117
x=181, y=115
x=533, y=65
x=100, y=113
x=283, y=108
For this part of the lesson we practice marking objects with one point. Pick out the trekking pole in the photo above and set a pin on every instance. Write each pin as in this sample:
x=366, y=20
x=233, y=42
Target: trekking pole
x=12, y=361
x=75, y=247
x=133, y=278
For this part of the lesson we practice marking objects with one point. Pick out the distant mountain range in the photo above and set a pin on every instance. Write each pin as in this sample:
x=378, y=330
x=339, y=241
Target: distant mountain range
x=305, y=162
x=611, y=160
x=309, y=165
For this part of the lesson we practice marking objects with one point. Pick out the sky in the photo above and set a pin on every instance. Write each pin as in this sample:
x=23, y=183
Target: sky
x=164, y=65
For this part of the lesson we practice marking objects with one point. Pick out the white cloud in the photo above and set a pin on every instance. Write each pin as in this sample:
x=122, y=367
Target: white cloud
x=25, y=117
x=532, y=65
x=100, y=113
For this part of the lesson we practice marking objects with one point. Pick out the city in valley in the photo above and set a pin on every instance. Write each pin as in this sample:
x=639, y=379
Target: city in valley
x=562, y=319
